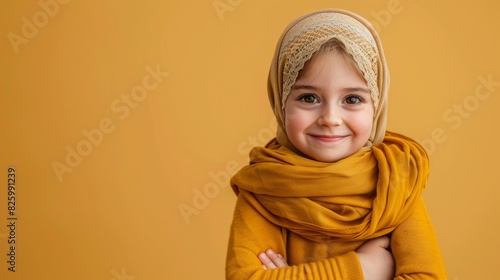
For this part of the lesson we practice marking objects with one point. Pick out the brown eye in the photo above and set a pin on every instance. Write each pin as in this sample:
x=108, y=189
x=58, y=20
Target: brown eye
x=308, y=98
x=353, y=99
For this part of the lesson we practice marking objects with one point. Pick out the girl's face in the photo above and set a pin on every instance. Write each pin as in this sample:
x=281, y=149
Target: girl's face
x=329, y=111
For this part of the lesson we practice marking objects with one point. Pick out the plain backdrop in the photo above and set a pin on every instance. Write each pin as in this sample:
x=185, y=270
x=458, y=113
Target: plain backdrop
x=124, y=120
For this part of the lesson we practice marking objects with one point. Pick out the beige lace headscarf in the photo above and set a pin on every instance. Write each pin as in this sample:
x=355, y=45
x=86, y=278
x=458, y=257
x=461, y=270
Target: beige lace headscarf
x=304, y=36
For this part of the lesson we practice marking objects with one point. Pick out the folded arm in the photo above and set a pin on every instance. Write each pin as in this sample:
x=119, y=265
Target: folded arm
x=252, y=234
x=415, y=248
x=413, y=243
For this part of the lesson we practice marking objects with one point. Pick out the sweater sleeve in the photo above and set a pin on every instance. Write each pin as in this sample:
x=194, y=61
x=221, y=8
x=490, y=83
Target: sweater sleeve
x=251, y=234
x=415, y=248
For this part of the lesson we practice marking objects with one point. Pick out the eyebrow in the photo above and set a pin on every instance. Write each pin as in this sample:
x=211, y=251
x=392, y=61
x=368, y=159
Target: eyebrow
x=348, y=89
x=299, y=86
x=358, y=89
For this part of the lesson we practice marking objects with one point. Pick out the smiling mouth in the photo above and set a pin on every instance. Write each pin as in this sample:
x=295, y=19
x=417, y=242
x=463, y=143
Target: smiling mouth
x=329, y=138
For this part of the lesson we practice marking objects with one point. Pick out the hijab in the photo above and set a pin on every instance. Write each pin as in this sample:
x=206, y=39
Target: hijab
x=304, y=36
x=359, y=197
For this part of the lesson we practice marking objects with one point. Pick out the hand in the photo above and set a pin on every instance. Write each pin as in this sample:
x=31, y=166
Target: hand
x=376, y=260
x=270, y=259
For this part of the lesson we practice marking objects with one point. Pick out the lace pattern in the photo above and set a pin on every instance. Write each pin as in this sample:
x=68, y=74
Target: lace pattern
x=306, y=37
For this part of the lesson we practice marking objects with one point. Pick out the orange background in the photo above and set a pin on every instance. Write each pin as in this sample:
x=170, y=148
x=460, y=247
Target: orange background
x=76, y=68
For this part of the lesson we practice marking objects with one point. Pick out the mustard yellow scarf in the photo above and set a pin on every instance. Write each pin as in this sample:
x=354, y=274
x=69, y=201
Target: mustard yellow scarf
x=360, y=197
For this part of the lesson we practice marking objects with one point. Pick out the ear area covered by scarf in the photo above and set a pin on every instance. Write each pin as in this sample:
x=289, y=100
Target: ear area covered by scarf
x=362, y=196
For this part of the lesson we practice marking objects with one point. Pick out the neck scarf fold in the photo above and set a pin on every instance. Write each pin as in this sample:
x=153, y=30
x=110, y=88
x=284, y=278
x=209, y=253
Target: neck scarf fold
x=360, y=197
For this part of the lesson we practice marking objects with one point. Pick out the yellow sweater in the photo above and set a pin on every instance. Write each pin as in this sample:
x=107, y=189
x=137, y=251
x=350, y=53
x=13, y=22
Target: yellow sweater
x=413, y=244
x=316, y=214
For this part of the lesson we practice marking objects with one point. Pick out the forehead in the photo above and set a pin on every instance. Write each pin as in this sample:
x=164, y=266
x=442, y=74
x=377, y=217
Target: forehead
x=318, y=60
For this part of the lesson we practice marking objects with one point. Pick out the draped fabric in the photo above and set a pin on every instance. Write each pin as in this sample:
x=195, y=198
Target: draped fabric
x=360, y=197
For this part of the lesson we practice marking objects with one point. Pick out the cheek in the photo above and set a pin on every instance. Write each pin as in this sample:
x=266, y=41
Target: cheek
x=363, y=124
x=292, y=124
x=295, y=121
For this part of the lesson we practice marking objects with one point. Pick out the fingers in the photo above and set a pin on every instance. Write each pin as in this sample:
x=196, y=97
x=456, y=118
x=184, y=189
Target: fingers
x=379, y=242
x=277, y=259
x=383, y=241
x=270, y=259
x=266, y=261
x=376, y=258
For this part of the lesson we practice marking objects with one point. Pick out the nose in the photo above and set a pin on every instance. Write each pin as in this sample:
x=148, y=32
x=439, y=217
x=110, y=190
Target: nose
x=329, y=117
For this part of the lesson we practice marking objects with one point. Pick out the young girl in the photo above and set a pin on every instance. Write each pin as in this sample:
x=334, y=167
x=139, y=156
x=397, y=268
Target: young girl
x=333, y=196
